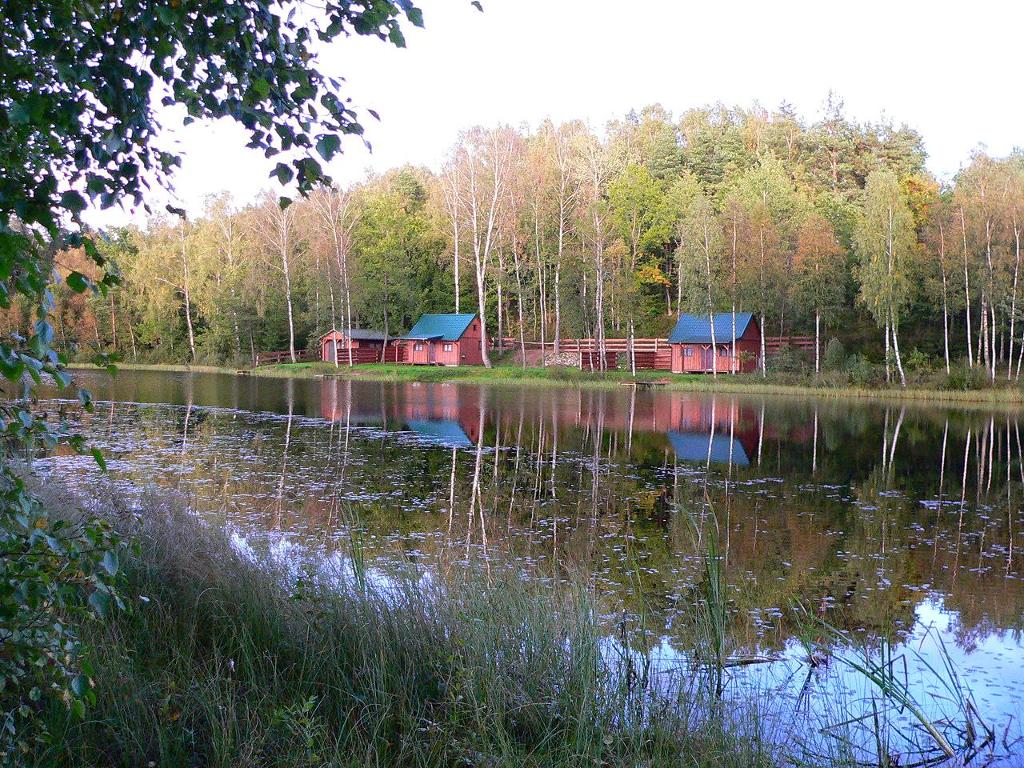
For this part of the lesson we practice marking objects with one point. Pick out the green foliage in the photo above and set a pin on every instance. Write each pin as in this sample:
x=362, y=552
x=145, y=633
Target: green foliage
x=862, y=372
x=963, y=377
x=918, y=362
x=396, y=275
x=834, y=357
x=792, y=360
x=54, y=573
x=77, y=127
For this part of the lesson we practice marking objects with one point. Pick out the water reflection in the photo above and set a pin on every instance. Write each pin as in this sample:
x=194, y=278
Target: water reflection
x=882, y=519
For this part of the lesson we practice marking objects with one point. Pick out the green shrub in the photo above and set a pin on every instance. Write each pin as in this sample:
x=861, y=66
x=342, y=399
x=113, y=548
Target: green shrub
x=917, y=362
x=791, y=360
x=963, y=378
x=862, y=372
x=835, y=355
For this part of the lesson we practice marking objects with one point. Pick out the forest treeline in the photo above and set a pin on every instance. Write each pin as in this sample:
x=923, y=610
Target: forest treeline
x=829, y=228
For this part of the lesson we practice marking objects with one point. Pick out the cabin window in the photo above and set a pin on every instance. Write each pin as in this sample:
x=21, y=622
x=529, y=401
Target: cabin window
x=447, y=347
x=418, y=347
x=688, y=351
x=724, y=352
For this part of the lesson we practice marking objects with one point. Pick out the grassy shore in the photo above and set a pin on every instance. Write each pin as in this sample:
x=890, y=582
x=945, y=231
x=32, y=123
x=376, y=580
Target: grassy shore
x=753, y=384
x=224, y=660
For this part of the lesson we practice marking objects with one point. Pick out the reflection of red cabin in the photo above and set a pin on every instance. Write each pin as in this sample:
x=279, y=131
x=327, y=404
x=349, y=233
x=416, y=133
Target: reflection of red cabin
x=693, y=351
x=441, y=410
x=366, y=345
x=444, y=340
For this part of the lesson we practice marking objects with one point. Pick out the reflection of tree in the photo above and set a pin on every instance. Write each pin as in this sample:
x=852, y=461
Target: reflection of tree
x=851, y=517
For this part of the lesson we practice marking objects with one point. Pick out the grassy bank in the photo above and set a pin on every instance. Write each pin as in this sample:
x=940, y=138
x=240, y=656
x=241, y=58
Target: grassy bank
x=753, y=384
x=218, y=663
x=225, y=657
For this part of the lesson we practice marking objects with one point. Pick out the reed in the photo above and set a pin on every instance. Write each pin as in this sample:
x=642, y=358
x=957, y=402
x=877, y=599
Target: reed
x=225, y=659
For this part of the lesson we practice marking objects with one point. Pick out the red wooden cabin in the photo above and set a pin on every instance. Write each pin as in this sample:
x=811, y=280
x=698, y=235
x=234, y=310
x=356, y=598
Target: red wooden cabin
x=447, y=339
x=366, y=346
x=694, y=352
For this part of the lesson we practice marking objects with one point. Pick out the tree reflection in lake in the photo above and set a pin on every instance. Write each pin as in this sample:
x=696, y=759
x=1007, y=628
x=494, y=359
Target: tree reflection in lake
x=878, y=518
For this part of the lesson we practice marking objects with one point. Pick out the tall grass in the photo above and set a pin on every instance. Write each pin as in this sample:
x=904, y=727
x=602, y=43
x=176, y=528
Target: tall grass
x=224, y=660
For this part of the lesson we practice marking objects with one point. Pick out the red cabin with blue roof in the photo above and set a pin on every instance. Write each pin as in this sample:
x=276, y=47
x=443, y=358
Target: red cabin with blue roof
x=696, y=350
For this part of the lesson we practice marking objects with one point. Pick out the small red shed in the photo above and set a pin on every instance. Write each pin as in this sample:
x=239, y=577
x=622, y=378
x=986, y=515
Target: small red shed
x=693, y=350
x=366, y=345
x=444, y=339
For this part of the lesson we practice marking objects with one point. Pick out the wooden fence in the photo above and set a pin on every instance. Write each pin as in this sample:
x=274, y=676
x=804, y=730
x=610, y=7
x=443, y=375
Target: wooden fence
x=364, y=355
x=650, y=354
x=772, y=344
x=393, y=353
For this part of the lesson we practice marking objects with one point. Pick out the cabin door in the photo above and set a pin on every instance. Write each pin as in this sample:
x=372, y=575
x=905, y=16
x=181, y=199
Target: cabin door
x=707, y=358
x=431, y=353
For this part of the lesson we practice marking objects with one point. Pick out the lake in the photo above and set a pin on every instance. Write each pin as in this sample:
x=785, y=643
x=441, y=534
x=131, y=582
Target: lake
x=901, y=524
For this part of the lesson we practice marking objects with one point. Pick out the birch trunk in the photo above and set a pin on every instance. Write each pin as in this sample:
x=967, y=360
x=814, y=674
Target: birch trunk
x=896, y=350
x=187, y=293
x=711, y=305
x=1013, y=295
x=945, y=295
x=967, y=289
x=817, y=342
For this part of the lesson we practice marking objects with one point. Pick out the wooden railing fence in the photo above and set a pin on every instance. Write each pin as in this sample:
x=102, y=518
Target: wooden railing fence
x=650, y=354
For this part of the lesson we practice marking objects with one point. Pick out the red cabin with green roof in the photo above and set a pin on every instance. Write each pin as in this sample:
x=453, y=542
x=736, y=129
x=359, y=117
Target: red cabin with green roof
x=443, y=339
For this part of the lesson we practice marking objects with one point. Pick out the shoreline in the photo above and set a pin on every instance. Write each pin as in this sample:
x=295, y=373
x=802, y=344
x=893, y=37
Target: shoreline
x=562, y=377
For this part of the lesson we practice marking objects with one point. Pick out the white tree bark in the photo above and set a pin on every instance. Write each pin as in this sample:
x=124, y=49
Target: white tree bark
x=274, y=225
x=186, y=290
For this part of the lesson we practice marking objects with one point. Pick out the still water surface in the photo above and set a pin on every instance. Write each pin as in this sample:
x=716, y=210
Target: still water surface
x=901, y=523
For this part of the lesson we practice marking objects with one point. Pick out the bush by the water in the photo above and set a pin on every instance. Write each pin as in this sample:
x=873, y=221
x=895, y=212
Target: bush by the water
x=834, y=356
x=963, y=377
x=862, y=372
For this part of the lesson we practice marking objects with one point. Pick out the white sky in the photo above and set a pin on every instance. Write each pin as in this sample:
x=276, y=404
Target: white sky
x=951, y=70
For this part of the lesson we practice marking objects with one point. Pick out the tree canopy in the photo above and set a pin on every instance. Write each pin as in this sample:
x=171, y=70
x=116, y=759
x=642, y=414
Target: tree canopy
x=82, y=86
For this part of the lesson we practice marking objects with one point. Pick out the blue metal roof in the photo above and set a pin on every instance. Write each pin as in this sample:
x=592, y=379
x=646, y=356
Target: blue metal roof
x=696, y=329
x=698, y=446
x=442, y=327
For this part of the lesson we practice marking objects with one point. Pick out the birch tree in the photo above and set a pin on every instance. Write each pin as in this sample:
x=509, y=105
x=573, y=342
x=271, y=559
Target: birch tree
x=274, y=226
x=562, y=141
x=337, y=214
x=594, y=224
x=701, y=239
x=819, y=269
x=884, y=239
x=484, y=157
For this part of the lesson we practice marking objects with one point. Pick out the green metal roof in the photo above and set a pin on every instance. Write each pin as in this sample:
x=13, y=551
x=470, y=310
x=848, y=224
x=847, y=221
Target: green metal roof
x=441, y=327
